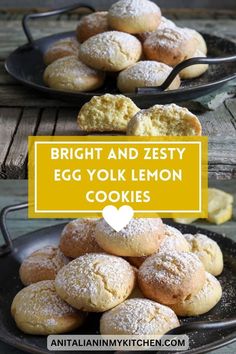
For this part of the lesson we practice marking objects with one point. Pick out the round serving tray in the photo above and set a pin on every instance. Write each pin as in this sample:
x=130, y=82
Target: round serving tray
x=200, y=340
x=26, y=65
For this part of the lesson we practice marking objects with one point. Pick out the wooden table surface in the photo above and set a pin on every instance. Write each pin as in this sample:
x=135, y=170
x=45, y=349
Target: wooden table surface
x=25, y=112
x=13, y=192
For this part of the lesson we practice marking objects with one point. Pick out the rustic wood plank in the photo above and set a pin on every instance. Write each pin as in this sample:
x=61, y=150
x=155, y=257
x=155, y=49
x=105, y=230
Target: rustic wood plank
x=66, y=122
x=16, y=160
x=181, y=12
x=22, y=96
x=222, y=158
x=221, y=172
x=222, y=150
x=47, y=122
x=104, y=4
x=9, y=118
x=217, y=123
x=5, y=78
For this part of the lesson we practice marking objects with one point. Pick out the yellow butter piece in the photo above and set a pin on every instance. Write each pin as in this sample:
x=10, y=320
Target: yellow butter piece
x=220, y=206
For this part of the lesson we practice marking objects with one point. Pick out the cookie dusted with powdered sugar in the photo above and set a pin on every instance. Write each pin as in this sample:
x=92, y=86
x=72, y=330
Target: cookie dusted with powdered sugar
x=208, y=251
x=174, y=240
x=170, y=45
x=77, y=238
x=91, y=25
x=95, y=282
x=62, y=48
x=138, y=317
x=171, y=277
x=141, y=237
x=37, y=309
x=42, y=264
x=134, y=16
x=203, y=301
x=70, y=74
x=110, y=51
x=145, y=74
x=165, y=23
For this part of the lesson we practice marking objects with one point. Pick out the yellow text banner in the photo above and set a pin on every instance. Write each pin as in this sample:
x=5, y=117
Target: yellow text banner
x=79, y=176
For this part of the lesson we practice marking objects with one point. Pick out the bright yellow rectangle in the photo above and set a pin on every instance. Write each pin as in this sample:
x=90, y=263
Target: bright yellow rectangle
x=167, y=187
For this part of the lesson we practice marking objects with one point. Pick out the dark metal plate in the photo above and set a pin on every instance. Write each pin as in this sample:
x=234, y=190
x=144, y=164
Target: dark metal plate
x=200, y=342
x=26, y=65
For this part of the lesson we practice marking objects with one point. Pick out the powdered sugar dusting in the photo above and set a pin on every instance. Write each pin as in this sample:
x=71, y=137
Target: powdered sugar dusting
x=169, y=37
x=95, y=20
x=78, y=238
x=80, y=228
x=41, y=298
x=68, y=44
x=149, y=72
x=133, y=8
x=135, y=227
x=48, y=257
x=91, y=274
x=170, y=268
x=174, y=240
x=166, y=23
x=139, y=316
x=70, y=66
x=209, y=287
x=201, y=244
x=106, y=45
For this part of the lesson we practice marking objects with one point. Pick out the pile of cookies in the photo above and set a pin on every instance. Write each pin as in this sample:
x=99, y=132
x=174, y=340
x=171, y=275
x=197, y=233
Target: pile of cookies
x=118, y=113
x=133, y=40
x=140, y=278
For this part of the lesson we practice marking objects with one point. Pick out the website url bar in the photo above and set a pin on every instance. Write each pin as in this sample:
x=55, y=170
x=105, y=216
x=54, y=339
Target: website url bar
x=117, y=342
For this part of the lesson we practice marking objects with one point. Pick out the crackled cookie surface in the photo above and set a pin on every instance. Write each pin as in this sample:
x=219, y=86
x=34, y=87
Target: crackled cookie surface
x=95, y=282
x=37, y=309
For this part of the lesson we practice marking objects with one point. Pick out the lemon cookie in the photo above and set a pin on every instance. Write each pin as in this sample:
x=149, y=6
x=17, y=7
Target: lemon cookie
x=70, y=74
x=91, y=25
x=37, y=309
x=170, y=45
x=174, y=240
x=42, y=264
x=165, y=23
x=141, y=237
x=106, y=113
x=145, y=74
x=95, y=282
x=171, y=277
x=201, y=302
x=201, y=43
x=111, y=51
x=165, y=120
x=138, y=317
x=196, y=70
x=134, y=16
x=62, y=48
x=77, y=238
x=208, y=251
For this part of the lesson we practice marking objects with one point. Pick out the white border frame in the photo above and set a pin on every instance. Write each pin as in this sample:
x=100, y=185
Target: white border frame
x=39, y=211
